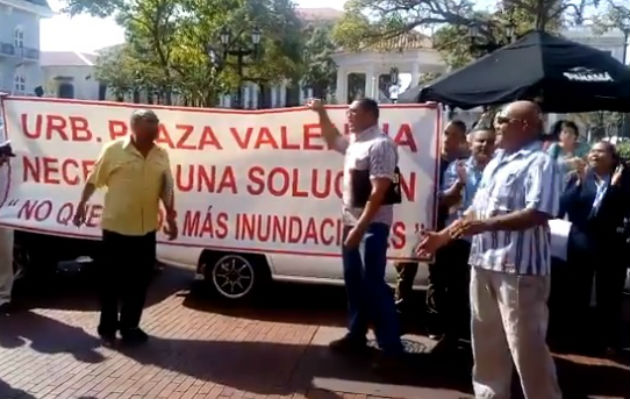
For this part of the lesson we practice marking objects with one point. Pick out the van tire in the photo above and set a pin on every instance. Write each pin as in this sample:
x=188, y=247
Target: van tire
x=235, y=277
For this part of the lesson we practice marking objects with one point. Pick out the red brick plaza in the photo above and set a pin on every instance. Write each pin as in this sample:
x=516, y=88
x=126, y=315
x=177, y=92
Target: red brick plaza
x=201, y=348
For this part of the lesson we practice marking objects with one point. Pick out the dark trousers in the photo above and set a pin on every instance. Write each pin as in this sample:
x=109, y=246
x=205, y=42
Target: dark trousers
x=448, y=293
x=607, y=268
x=404, y=284
x=370, y=299
x=125, y=271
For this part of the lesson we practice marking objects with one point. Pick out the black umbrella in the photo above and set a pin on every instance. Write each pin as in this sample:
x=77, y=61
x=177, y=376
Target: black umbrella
x=564, y=76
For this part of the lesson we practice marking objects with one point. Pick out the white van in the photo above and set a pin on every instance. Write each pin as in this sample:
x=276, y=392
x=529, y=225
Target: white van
x=237, y=275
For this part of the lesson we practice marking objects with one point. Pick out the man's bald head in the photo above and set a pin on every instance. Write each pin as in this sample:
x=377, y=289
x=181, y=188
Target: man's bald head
x=527, y=111
x=519, y=123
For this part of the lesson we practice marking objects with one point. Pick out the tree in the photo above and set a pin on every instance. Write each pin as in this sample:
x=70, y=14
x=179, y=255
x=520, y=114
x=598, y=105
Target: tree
x=151, y=27
x=320, y=71
x=173, y=38
x=117, y=69
x=367, y=21
x=615, y=16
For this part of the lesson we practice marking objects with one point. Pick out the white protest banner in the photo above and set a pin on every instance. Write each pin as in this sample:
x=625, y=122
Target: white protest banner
x=261, y=181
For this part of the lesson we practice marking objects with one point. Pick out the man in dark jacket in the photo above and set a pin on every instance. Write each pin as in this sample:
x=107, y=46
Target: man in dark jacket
x=596, y=201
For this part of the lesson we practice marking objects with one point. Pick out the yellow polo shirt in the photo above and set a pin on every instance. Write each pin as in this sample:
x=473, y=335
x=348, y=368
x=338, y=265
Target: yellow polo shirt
x=134, y=186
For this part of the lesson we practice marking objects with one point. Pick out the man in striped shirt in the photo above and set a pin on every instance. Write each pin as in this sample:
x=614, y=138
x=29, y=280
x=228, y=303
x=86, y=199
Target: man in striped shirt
x=510, y=258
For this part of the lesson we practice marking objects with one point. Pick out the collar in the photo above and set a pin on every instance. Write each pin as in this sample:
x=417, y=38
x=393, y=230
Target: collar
x=127, y=143
x=130, y=147
x=524, y=151
x=368, y=133
x=601, y=180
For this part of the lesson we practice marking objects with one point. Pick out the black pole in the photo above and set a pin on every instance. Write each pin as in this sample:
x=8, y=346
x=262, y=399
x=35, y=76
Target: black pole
x=625, y=125
x=626, y=32
x=239, y=94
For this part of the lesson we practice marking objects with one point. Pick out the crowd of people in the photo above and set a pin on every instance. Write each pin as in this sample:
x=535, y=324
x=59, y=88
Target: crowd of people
x=491, y=277
x=595, y=198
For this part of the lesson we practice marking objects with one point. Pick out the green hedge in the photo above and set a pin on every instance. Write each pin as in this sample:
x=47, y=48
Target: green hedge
x=624, y=150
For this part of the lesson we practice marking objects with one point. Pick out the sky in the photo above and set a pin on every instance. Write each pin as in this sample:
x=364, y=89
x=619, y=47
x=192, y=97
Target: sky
x=87, y=34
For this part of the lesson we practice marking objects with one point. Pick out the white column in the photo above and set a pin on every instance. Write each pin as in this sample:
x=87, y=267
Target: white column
x=301, y=94
x=371, y=86
x=310, y=93
x=415, y=74
x=255, y=93
x=273, y=96
x=342, y=86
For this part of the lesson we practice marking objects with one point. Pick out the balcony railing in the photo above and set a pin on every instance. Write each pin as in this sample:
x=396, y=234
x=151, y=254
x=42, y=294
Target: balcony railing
x=7, y=49
x=30, y=54
x=27, y=53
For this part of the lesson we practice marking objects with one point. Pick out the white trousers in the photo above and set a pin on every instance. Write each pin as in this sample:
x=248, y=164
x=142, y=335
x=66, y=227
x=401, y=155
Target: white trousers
x=6, y=264
x=509, y=324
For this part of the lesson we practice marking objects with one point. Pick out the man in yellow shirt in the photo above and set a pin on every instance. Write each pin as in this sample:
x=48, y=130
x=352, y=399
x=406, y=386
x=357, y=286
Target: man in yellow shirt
x=137, y=175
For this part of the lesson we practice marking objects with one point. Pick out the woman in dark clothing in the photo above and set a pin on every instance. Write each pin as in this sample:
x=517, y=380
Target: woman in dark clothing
x=597, y=200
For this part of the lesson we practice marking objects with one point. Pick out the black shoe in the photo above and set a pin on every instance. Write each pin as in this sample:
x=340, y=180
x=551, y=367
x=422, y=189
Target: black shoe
x=388, y=363
x=134, y=336
x=108, y=336
x=446, y=345
x=347, y=344
x=7, y=309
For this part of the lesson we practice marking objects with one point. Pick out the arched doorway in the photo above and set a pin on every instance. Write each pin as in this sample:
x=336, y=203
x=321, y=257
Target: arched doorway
x=65, y=91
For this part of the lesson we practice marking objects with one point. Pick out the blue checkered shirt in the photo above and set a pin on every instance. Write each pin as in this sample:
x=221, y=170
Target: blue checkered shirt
x=525, y=179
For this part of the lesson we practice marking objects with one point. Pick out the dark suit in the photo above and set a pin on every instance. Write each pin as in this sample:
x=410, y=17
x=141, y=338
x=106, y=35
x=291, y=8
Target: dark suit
x=597, y=247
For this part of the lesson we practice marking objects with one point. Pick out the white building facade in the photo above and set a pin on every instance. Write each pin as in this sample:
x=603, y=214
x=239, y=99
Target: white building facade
x=368, y=73
x=70, y=75
x=20, y=73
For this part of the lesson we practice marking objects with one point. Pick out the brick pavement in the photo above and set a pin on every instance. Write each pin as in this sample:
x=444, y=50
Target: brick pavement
x=201, y=349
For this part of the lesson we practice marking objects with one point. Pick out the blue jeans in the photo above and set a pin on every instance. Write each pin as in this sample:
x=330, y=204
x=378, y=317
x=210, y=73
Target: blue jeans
x=369, y=297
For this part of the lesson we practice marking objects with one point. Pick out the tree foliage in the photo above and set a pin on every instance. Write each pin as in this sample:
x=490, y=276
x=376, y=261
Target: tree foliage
x=320, y=71
x=368, y=21
x=615, y=16
x=168, y=43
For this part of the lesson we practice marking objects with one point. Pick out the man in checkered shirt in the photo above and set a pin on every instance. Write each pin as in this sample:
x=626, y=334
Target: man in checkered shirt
x=370, y=153
x=510, y=259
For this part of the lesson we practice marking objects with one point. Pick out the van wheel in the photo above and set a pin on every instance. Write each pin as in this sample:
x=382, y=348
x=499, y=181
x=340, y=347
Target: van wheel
x=236, y=277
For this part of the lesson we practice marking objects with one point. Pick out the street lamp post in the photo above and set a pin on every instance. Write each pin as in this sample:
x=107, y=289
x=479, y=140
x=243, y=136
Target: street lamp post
x=240, y=53
x=626, y=33
x=626, y=119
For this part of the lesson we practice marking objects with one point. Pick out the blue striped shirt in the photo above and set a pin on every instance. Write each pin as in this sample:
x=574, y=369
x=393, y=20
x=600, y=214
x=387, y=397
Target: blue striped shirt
x=525, y=179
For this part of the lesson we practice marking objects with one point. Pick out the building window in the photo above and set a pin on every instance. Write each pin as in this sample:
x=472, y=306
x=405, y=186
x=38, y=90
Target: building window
x=19, y=38
x=19, y=84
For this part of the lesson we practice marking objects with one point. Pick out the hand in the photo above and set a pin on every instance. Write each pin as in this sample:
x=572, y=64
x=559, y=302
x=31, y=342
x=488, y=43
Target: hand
x=171, y=229
x=3, y=160
x=469, y=227
x=431, y=242
x=461, y=172
x=581, y=168
x=316, y=105
x=79, y=216
x=616, y=178
x=354, y=238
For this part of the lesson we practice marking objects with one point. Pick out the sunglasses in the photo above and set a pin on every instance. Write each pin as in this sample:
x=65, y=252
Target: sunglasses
x=507, y=120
